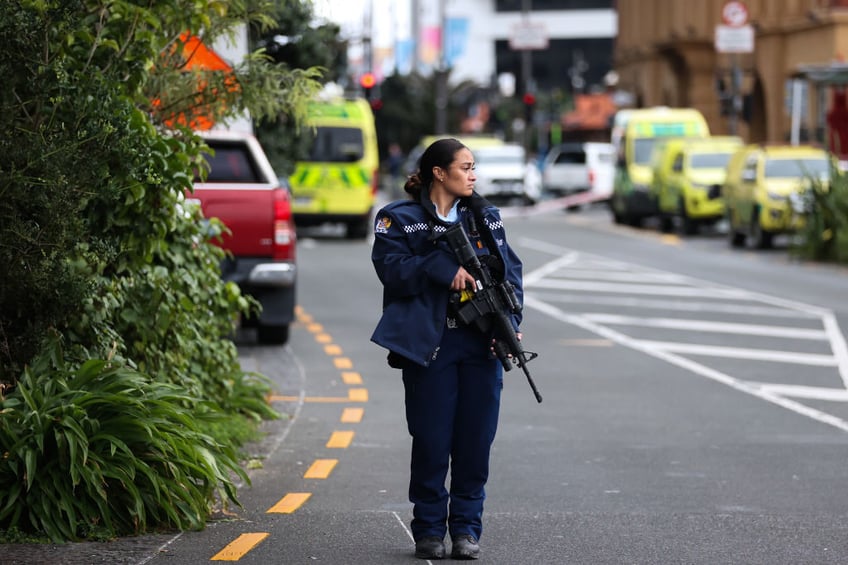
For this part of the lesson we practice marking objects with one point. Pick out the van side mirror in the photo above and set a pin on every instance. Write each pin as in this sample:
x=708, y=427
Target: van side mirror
x=749, y=175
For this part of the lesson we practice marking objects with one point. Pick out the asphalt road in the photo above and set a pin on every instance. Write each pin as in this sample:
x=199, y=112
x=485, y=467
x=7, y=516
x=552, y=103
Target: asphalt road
x=695, y=411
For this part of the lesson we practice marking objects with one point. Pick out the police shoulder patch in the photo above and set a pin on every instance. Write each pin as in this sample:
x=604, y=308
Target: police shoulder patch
x=383, y=224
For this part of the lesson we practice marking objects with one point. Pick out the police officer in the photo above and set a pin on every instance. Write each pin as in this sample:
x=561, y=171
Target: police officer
x=452, y=381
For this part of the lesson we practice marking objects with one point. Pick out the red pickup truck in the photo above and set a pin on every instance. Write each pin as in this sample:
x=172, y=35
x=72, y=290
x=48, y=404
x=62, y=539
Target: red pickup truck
x=243, y=191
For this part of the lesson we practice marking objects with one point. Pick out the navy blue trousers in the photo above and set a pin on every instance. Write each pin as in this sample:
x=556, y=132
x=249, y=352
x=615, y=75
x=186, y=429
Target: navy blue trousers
x=452, y=414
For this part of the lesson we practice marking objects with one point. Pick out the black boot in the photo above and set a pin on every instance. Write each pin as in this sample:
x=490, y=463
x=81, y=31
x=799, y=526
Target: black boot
x=465, y=547
x=430, y=548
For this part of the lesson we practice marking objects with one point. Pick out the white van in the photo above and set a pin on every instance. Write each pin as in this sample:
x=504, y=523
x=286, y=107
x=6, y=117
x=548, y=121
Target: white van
x=579, y=167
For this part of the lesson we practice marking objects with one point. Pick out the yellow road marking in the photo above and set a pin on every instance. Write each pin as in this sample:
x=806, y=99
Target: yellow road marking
x=332, y=349
x=239, y=547
x=670, y=239
x=323, y=338
x=353, y=395
x=315, y=328
x=358, y=394
x=352, y=415
x=289, y=503
x=343, y=363
x=351, y=378
x=340, y=440
x=320, y=469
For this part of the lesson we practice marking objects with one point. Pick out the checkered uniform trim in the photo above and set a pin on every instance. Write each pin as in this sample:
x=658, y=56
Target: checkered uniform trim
x=412, y=228
x=494, y=225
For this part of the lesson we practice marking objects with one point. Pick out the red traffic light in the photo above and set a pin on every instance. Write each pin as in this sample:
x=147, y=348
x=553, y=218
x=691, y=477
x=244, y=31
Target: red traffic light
x=528, y=99
x=367, y=80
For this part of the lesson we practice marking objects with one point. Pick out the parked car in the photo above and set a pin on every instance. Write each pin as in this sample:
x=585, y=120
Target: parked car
x=687, y=180
x=763, y=190
x=243, y=191
x=504, y=174
x=578, y=167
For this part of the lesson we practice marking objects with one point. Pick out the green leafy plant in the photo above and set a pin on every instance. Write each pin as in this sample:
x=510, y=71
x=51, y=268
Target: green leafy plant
x=104, y=449
x=824, y=236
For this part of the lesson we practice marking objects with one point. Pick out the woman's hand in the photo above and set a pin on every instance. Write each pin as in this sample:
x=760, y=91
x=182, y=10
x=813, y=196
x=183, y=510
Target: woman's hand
x=461, y=279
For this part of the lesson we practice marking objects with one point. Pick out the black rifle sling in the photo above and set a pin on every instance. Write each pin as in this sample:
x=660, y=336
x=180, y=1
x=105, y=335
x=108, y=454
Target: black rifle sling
x=477, y=203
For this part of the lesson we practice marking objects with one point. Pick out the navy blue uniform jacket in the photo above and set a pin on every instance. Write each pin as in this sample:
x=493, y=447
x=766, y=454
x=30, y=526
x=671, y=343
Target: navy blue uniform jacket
x=417, y=269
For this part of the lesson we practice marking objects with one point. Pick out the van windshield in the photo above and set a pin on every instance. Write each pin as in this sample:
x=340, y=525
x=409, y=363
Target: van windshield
x=709, y=160
x=643, y=147
x=797, y=168
x=335, y=144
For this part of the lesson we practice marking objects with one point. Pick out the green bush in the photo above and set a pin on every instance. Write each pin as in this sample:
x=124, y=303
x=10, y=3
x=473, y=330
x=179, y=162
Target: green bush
x=825, y=233
x=100, y=251
x=103, y=449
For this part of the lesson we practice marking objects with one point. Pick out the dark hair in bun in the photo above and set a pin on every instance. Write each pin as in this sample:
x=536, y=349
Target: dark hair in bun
x=440, y=154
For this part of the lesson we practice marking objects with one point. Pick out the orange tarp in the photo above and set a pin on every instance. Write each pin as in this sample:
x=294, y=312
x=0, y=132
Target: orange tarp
x=591, y=112
x=197, y=56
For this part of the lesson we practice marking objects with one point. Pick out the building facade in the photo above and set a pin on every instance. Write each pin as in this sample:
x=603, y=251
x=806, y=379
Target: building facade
x=666, y=54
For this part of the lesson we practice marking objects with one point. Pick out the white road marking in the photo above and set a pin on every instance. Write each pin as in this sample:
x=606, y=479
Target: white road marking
x=702, y=326
x=739, y=353
x=678, y=305
x=564, y=272
x=723, y=293
x=753, y=389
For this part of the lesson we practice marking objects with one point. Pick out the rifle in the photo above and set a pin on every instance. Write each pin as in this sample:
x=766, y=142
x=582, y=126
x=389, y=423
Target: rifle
x=489, y=305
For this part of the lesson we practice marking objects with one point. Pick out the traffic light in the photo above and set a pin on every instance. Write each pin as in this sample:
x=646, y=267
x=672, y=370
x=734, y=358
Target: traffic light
x=529, y=100
x=367, y=82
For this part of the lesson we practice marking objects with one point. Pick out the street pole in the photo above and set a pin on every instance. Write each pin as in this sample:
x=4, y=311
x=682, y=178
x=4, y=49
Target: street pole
x=442, y=76
x=526, y=72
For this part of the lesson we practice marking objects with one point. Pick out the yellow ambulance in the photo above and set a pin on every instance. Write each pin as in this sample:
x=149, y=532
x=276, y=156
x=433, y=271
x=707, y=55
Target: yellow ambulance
x=631, y=200
x=338, y=180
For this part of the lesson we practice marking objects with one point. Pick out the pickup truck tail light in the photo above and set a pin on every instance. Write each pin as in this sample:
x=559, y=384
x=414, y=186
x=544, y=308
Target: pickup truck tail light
x=285, y=237
x=591, y=177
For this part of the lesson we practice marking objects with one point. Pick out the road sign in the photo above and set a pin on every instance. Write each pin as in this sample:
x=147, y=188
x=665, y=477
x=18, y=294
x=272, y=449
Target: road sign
x=734, y=14
x=528, y=35
x=730, y=39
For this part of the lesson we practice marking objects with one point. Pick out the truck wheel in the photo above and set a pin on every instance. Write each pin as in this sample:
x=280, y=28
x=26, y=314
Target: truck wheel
x=687, y=223
x=274, y=335
x=734, y=236
x=666, y=223
x=762, y=238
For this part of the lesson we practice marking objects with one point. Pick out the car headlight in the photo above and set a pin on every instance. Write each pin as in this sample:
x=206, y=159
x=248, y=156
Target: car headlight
x=640, y=187
x=775, y=196
x=801, y=202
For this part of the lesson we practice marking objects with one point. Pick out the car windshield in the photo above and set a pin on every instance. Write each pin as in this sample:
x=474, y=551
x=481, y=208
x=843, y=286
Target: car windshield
x=499, y=156
x=795, y=168
x=571, y=158
x=335, y=144
x=709, y=160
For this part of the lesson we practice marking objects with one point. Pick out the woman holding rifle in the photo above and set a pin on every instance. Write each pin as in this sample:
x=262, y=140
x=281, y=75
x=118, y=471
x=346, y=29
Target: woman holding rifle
x=452, y=380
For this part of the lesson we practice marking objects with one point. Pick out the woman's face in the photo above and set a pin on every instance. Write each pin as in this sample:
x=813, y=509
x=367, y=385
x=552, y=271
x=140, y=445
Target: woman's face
x=459, y=176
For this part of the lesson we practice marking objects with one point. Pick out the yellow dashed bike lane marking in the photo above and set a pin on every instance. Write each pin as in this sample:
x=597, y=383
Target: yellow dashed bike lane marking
x=320, y=469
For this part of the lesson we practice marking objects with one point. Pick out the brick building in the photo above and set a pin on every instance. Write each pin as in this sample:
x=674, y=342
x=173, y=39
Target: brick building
x=665, y=54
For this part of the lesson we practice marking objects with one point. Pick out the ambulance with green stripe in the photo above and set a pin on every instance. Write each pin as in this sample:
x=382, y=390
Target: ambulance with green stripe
x=338, y=181
x=639, y=130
